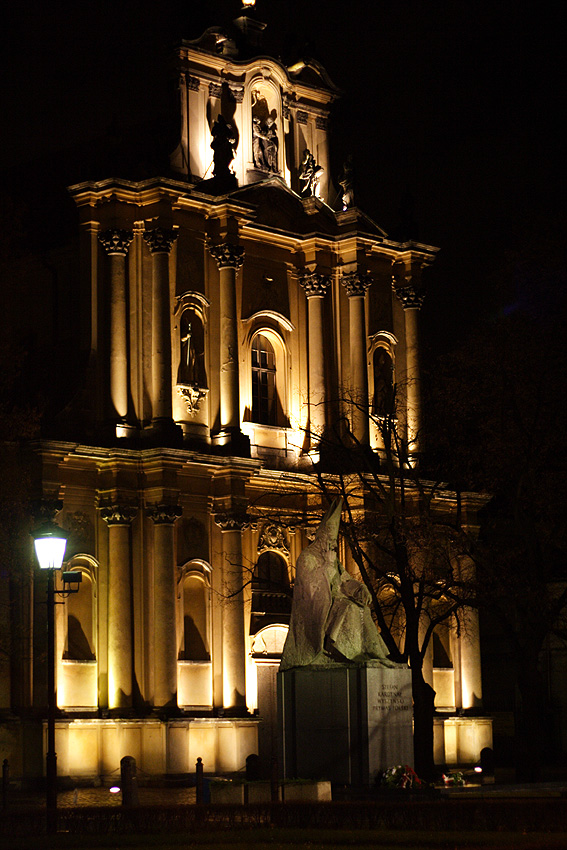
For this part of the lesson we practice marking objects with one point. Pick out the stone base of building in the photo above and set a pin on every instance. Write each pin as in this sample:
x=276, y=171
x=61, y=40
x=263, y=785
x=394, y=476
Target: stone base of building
x=92, y=749
x=343, y=722
x=459, y=740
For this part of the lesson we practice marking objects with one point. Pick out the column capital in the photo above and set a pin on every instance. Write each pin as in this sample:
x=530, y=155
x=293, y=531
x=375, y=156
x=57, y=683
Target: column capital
x=314, y=283
x=160, y=239
x=163, y=514
x=355, y=283
x=232, y=521
x=409, y=296
x=227, y=255
x=118, y=514
x=116, y=241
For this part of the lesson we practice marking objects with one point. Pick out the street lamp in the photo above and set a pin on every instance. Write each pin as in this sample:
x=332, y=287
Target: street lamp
x=50, y=542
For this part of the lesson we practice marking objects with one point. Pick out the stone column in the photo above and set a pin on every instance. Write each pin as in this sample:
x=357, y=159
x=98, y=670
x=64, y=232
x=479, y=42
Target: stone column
x=120, y=626
x=229, y=258
x=411, y=300
x=165, y=621
x=356, y=285
x=160, y=242
x=233, y=635
x=315, y=286
x=116, y=243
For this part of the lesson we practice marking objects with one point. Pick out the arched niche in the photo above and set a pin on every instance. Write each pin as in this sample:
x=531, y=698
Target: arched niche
x=194, y=666
x=194, y=594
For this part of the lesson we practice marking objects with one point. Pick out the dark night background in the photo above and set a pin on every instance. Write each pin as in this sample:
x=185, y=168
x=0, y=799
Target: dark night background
x=454, y=106
x=454, y=111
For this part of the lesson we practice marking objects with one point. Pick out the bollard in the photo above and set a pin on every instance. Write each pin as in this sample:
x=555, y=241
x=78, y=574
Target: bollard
x=253, y=768
x=129, y=781
x=199, y=780
x=487, y=765
x=5, y=783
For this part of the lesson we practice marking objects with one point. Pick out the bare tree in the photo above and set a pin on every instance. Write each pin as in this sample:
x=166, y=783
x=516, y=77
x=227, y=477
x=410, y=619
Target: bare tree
x=408, y=540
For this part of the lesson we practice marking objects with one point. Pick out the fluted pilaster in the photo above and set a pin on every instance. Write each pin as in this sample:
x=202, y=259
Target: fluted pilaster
x=116, y=243
x=356, y=285
x=164, y=517
x=229, y=258
x=233, y=640
x=160, y=242
x=315, y=286
x=411, y=299
x=120, y=635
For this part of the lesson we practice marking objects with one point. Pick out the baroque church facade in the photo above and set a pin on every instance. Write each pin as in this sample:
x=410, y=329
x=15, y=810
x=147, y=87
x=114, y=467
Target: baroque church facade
x=227, y=305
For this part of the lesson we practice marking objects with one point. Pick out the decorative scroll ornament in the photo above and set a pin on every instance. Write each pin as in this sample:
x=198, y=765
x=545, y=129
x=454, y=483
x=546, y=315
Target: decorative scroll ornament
x=272, y=537
x=192, y=395
x=409, y=296
x=118, y=514
x=160, y=240
x=163, y=514
x=115, y=241
x=232, y=521
x=356, y=283
x=314, y=284
x=227, y=256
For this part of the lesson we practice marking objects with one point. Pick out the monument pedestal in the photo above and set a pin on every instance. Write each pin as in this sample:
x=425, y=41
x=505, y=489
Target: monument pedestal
x=344, y=722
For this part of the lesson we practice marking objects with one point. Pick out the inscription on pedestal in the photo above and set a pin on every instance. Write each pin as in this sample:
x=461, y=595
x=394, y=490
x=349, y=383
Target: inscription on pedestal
x=389, y=706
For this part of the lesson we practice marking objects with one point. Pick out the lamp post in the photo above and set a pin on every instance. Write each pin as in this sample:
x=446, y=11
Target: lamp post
x=50, y=542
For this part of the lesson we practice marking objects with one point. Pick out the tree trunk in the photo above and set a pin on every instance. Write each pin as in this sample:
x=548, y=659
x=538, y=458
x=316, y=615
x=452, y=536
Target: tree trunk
x=423, y=709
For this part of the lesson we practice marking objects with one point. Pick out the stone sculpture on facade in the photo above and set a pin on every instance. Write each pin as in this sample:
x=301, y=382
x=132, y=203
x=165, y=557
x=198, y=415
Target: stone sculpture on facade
x=330, y=616
x=347, y=185
x=309, y=175
x=224, y=141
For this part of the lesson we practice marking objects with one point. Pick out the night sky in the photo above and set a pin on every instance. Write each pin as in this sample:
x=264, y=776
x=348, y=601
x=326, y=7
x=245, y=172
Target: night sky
x=458, y=105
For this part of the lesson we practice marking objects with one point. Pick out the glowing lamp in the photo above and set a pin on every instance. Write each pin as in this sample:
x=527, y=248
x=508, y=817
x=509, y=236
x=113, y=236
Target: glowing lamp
x=50, y=542
x=114, y=789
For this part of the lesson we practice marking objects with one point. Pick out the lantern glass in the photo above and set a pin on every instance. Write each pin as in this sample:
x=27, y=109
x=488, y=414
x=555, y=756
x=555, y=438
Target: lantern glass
x=50, y=549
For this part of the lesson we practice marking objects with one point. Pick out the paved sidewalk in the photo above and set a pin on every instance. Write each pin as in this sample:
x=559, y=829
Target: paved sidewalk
x=103, y=797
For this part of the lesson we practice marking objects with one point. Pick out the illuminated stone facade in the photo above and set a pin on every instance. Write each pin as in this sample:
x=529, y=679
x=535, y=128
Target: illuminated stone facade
x=229, y=306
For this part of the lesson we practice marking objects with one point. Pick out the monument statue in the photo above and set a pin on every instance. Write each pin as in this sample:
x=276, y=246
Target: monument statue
x=331, y=619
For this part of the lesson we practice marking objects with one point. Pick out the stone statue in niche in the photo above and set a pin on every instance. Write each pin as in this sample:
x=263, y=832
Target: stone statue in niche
x=191, y=368
x=346, y=184
x=223, y=144
x=330, y=615
x=309, y=175
x=265, y=142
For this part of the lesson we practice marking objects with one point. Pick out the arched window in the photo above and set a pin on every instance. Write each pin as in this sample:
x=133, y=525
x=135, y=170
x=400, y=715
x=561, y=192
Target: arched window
x=383, y=382
x=264, y=397
x=195, y=633
x=271, y=593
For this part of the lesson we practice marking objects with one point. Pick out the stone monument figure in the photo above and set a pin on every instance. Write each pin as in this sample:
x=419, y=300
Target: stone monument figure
x=331, y=619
